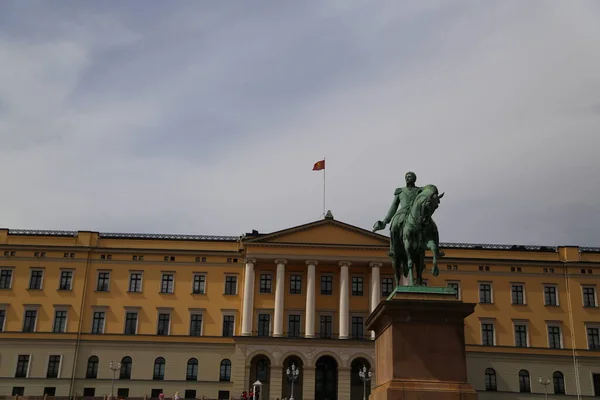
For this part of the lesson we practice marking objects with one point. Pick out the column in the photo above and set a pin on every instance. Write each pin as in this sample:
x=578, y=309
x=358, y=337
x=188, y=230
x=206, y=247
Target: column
x=309, y=319
x=343, y=391
x=275, y=383
x=308, y=382
x=375, y=287
x=375, y=284
x=248, y=306
x=279, y=293
x=344, y=299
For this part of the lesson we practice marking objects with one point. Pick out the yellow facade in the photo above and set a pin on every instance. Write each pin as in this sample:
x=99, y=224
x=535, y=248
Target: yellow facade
x=58, y=284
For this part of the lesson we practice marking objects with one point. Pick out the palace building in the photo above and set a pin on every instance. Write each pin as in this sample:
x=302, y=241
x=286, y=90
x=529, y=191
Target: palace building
x=90, y=313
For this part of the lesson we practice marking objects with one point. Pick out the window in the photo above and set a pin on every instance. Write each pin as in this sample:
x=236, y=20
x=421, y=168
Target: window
x=169, y=258
x=22, y=366
x=490, y=380
x=159, y=369
x=18, y=391
x=89, y=392
x=518, y=294
x=2, y=319
x=196, y=325
x=192, y=370
x=265, y=283
x=167, y=283
x=262, y=370
x=69, y=255
x=296, y=284
x=41, y=254
x=106, y=256
x=550, y=295
x=9, y=253
x=559, y=382
x=6, y=278
x=125, y=372
x=164, y=323
x=225, y=371
x=103, y=281
x=53, y=367
x=50, y=391
x=593, y=334
x=387, y=286
x=589, y=296
x=485, y=293
x=199, y=284
x=231, y=285
x=455, y=286
x=326, y=285
x=325, y=326
x=29, y=321
x=131, y=319
x=66, y=280
x=92, y=368
x=521, y=335
x=223, y=395
x=60, y=321
x=135, y=282
x=358, y=328
x=137, y=257
x=264, y=324
x=200, y=259
x=294, y=325
x=487, y=334
x=98, y=322
x=524, y=383
x=35, y=280
x=357, y=286
x=190, y=394
x=228, y=321
x=554, y=341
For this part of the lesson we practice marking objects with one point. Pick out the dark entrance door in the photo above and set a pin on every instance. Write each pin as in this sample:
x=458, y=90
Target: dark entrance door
x=326, y=377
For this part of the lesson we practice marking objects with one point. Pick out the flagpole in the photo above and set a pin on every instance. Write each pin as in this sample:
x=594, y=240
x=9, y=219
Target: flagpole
x=324, y=185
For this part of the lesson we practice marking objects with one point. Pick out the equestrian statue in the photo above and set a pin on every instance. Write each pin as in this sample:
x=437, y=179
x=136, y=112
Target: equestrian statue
x=412, y=230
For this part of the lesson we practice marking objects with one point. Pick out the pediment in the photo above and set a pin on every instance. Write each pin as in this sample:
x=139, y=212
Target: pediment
x=323, y=232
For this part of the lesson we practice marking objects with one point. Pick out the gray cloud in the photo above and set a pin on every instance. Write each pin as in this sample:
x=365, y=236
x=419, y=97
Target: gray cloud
x=196, y=118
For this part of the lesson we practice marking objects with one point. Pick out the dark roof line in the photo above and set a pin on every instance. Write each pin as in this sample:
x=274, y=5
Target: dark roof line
x=166, y=236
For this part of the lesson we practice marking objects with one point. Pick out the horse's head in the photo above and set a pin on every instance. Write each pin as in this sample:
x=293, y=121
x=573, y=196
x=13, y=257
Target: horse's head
x=426, y=203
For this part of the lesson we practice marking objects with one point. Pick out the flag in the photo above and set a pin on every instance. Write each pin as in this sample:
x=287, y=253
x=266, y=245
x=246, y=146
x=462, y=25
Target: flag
x=319, y=165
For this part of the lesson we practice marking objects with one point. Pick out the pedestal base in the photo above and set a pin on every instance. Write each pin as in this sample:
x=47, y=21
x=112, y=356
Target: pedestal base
x=420, y=346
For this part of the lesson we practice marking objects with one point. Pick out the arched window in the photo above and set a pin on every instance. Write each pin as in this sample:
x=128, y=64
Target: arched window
x=92, y=368
x=225, y=372
x=263, y=367
x=490, y=380
x=125, y=372
x=524, y=383
x=559, y=382
x=159, y=369
x=192, y=370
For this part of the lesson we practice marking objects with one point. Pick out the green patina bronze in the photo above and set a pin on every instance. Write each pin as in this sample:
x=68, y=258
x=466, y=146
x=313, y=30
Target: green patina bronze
x=412, y=230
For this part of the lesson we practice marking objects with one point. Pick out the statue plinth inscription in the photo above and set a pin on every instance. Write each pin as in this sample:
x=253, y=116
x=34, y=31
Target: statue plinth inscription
x=419, y=330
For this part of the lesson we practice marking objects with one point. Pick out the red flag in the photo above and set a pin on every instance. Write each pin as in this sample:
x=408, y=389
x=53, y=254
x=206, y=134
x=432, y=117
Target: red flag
x=319, y=165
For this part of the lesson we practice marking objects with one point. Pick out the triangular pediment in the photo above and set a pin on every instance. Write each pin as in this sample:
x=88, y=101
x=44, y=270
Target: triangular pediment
x=323, y=232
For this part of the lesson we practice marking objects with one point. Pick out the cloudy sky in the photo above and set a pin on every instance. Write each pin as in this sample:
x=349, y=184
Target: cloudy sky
x=206, y=117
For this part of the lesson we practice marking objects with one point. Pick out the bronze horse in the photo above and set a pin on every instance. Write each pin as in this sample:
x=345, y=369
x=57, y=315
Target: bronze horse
x=418, y=236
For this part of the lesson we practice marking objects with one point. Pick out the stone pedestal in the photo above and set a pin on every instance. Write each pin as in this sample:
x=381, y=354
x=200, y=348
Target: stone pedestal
x=420, y=346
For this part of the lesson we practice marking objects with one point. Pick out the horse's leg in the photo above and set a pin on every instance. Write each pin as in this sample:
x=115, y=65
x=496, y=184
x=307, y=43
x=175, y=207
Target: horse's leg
x=409, y=260
x=432, y=245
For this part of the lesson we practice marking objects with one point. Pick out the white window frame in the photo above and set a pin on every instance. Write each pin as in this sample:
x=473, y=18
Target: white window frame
x=103, y=271
x=527, y=335
x=31, y=307
x=491, y=322
x=459, y=287
x=65, y=308
x=224, y=313
x=200, y=311
x=556, y=324
x=302, y=315
x=12, y=276
x=100, y=309
x=522, y=284
x=381, y=284
x=60, y=272
x=479, y=283
x=4, y=306
x=137, y=320
x=364, y=318
x=365, y=285
x=555, y=286
x=28, y=364
x=141, y=281
x=163, y=310
x=332, y=276
x=237, y=283
x=273, y=283
x=205, y=275
x=590, y=325
x=60, y=364
x=162, y=275
x=36, y=269
x=595, y=295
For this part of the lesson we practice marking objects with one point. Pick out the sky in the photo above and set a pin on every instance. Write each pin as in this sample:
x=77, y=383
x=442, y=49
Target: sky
x=200, y=117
